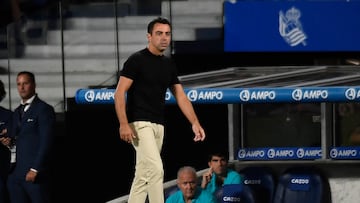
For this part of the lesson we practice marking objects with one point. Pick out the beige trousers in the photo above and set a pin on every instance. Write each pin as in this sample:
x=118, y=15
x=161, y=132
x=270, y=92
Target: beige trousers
x=149, y=172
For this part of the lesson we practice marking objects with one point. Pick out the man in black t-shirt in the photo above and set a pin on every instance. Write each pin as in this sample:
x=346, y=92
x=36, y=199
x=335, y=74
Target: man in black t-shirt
x=140, y=105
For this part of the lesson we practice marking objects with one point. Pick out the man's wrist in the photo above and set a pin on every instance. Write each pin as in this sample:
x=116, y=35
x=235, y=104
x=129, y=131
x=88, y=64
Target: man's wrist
x=33, y=170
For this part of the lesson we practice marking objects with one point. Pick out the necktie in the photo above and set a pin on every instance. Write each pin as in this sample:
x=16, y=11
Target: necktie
x=22, y=109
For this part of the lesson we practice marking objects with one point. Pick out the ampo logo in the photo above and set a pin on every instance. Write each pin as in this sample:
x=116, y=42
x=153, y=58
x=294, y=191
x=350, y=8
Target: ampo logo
x=271, y=153
x=192, y=95
x=167, y=96
x=297, y=94
x=245, y=95
x=333, y=153
x=90, y=96
x=241, y=153
x=350, y=94
x=300, y=153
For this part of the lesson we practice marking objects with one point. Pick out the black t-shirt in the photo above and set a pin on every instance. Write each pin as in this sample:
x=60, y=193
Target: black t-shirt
x=152, y=75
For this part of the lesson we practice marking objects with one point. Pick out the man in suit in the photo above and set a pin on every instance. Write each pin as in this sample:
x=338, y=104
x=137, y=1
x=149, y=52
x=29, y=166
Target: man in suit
x=5, y=123
x=33, y=135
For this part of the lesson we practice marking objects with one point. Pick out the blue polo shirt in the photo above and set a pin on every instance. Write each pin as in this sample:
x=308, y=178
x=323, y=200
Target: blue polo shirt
x=232, y=177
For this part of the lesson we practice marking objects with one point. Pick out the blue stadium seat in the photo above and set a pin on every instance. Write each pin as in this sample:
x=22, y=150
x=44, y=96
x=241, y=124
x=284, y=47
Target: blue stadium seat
x=299, y=185
x=236, y=193
x=262, y=181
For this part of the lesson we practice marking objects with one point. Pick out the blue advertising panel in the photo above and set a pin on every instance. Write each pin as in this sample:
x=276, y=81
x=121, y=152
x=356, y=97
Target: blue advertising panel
x=279, y=26
x=297, y=153
x=345, y=152
x=280, y=153
x=239, y=95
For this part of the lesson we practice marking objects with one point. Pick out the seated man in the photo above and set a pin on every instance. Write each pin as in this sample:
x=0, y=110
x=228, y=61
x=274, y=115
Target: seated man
x=219, y=174
x=190, y=191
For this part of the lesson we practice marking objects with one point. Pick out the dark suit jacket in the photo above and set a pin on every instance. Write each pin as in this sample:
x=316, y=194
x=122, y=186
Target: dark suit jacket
x=34, y=138
x=5, y=122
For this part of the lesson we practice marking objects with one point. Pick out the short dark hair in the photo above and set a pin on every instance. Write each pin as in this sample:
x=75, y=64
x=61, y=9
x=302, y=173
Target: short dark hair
x=219, y=154
x=2, y=91
x=30, y=74
x=160, y=20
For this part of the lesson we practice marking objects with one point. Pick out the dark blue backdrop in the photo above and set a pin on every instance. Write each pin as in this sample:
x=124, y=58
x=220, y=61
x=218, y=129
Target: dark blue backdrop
x=275, y=26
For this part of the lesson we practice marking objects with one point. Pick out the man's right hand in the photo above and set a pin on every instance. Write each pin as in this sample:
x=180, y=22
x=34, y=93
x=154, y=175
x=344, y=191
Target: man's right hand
x=6, y=141
x=126, y=133
x=206, y=178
